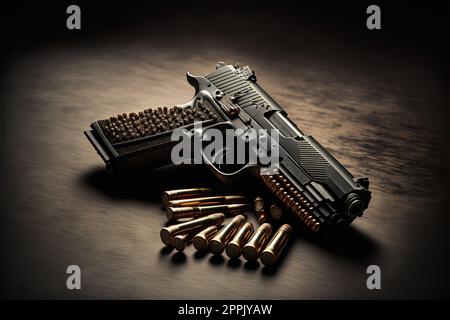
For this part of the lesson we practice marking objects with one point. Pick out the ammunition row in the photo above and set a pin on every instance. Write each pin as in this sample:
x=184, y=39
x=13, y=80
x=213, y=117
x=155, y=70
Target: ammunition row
x=180, y=204
x=125, y=127
x=191, y=227
x=236, y=238
x=292, y=198
x=205, y=230
x=195, y=202
x=206, y=201
x=177, y=213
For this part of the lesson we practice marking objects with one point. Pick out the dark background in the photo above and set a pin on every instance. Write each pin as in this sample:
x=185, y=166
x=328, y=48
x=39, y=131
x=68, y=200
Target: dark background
x=378, y=100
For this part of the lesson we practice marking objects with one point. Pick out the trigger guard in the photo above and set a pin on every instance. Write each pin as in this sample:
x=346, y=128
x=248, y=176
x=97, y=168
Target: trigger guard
x=228, y=177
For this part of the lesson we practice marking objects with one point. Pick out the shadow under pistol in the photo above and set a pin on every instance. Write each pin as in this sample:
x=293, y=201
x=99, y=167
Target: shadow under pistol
x=309, y=182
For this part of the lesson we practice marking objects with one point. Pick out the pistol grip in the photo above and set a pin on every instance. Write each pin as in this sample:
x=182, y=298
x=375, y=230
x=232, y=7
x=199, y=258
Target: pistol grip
x=143, y=141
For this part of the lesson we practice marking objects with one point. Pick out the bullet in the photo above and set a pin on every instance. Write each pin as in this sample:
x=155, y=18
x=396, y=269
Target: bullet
x=184, y=193
x=195, y=212
x=259, y=239
x=234, y=247
x=276, y=212
x=180, y=241
x=168, y=233
x=201, y=239
x=219, y=241
x=258, y=204
x=276, y=245
x=207, y=201
x=261, y=213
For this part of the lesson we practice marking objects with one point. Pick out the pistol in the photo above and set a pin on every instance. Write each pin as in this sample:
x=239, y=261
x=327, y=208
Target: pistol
x=307, y=180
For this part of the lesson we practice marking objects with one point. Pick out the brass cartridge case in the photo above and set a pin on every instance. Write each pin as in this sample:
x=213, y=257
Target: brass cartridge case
x=195, y=212
x=270, y=254
x=276, y=212
x=234, y=247
x=258, y=204
x=207, y=201
x=184, y=193
x=180, y=241
x=260, y=210
x=219, y=241
x=201, y=239
x=256, y=243
x=168, y=233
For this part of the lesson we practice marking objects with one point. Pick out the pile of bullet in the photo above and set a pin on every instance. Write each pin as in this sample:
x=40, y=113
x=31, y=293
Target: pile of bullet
x=203, y=222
